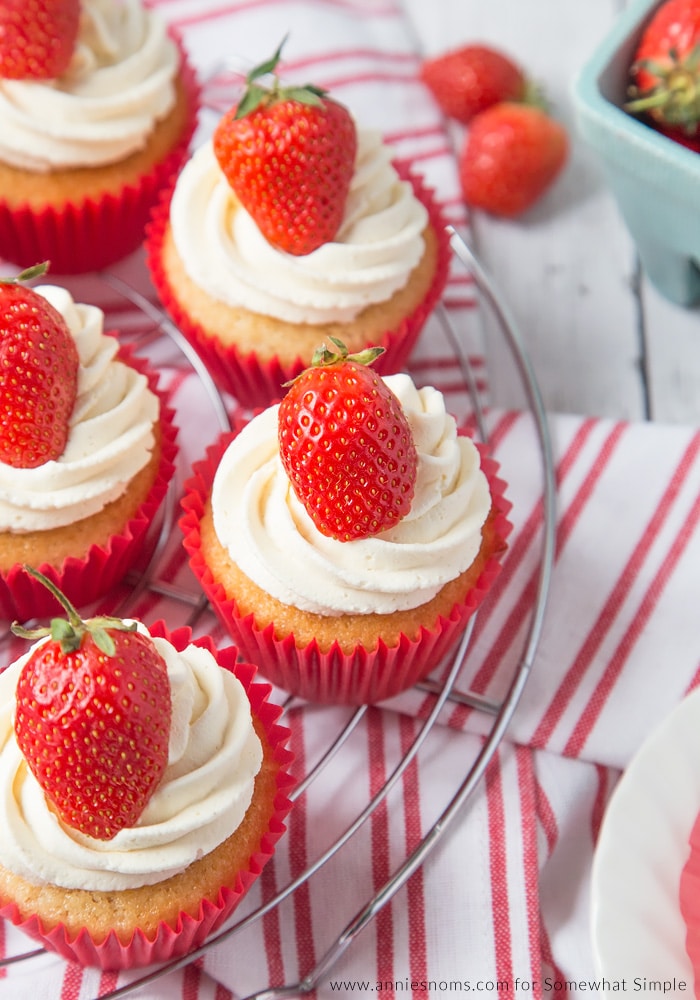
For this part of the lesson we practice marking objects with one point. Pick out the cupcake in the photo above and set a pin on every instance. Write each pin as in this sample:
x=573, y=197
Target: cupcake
x=256, y=277
x=84, y=155
x=82, y=510
x=343, y=538
x=120, y=857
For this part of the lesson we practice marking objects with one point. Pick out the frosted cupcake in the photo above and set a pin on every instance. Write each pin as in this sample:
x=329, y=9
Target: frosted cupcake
x=210, y=797
x=237, y=274
x=83, y=516
x=340, y=620
x=84, y=156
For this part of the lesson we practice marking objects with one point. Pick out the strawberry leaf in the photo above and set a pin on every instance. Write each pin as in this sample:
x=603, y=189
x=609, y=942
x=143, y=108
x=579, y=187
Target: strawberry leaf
x=103, y=640
x=268, y=66
x=304, y=95
x=252, y=99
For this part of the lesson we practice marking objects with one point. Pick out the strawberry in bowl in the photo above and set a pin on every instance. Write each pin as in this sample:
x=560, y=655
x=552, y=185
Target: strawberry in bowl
x=650, y=165
x=664, y=87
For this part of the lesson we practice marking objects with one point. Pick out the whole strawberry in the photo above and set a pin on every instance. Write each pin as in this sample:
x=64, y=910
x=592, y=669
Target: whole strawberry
x=37, y=37
x=665, y=73
x=469, y=79
x=289, y=155
x=346, y=445
x=92, y=719
x=38, y=375
x=511, y=155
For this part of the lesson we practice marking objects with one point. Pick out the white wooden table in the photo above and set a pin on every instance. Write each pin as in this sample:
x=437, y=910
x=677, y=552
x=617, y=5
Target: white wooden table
x=601, y=339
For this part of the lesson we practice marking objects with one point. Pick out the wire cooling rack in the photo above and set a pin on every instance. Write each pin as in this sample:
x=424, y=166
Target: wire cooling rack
x=155, y=335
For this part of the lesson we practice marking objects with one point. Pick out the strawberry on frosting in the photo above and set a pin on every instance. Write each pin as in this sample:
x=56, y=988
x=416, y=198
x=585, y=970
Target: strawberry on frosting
x=289, y=155
x=37, y=37
x=157, y=763
x=93, y=718
x=38, y=375
x=346, y=445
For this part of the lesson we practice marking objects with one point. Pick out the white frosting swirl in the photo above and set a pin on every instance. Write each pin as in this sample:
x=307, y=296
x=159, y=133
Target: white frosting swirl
x=110, y=433
x=378, y=245
x=120, y=82
x=202, y=798
x=270, y=536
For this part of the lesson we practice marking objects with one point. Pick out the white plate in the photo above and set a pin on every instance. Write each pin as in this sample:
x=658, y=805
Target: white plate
x=637, y=928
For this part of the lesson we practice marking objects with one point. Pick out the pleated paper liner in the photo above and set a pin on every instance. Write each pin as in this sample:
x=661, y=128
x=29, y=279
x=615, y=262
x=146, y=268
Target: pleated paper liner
x=173, y=940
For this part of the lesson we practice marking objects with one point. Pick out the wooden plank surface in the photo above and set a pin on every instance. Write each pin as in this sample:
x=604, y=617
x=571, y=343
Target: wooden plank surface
x=601, y=339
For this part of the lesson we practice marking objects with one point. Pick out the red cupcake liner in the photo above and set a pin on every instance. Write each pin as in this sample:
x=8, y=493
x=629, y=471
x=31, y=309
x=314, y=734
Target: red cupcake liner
x=86, y=578
x=95, y=232
x=189, y=932
x=256, y=383
x=364, y=676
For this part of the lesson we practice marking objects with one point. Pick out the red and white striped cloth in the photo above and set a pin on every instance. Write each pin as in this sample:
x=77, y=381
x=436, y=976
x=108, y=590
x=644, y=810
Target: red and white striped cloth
x=501, y=905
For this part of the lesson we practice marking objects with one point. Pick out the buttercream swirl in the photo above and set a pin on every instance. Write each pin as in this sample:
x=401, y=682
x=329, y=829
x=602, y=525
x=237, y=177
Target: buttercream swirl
x=110, y=433
x=269, y=535
x=202, y=798
x=119, y=83
x=378, y=245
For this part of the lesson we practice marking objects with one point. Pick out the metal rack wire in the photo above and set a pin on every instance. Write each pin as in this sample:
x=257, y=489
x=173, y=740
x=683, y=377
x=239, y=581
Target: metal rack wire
x=163, y=335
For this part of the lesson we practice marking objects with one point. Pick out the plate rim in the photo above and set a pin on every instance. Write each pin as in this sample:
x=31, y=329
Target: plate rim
x=668, y=742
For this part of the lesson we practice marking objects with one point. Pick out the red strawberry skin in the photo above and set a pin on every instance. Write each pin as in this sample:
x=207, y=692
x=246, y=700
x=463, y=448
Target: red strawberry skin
x=38, y=378
x=511, y=155
x=665, y=63
x=290, y=164
x=674, y=25
x=37, y=37
x=467, y=80
x=348, y=450
x=94, y=729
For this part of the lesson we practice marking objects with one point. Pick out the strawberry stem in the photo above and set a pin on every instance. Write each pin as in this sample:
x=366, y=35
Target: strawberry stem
x=676, y=94
x=323, y=357
x=28, y=274
x=255, y=95
x=69, y=632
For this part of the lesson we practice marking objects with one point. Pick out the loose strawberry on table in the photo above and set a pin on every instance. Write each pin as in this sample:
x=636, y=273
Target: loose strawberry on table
x=93, y=718
x=37, y=37
x=471, y=78
x=664, y=85
x=512, y=149
x=38, y=375
x=289, y=155
x=346, y=445
x=511, y=154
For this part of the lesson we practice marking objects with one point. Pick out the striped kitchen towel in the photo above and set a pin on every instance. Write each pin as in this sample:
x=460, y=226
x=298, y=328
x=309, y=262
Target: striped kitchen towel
x=620, y=644
x=503, y=897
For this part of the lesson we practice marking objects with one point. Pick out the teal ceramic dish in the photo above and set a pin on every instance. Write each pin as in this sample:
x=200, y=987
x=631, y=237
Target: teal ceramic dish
x=655, y=180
